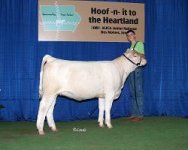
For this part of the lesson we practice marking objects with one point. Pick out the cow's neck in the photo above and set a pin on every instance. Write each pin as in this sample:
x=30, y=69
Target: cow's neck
x=124, y=66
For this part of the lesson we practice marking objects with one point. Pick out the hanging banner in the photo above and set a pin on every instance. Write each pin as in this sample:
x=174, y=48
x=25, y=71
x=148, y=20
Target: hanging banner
x=61, y=20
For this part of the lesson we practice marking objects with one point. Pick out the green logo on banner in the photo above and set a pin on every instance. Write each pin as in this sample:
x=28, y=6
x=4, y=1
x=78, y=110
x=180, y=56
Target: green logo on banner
x=59, y=18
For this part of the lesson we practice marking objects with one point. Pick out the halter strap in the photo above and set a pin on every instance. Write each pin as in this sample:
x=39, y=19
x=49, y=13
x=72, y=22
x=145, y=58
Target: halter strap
x=137, y=64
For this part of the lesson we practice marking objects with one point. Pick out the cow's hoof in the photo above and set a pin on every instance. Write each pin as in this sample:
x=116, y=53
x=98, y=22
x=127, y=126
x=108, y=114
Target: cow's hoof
x=101, y=125
x=54, y=129
x=110, y=126
x=41, y=133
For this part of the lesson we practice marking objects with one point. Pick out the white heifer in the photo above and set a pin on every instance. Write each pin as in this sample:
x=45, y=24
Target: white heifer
x=83, y=80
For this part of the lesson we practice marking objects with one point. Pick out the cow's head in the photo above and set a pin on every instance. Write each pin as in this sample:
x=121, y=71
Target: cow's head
x=135, y=58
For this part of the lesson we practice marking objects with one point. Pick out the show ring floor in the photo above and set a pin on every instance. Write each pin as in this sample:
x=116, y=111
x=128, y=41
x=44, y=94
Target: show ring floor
x=153, y=133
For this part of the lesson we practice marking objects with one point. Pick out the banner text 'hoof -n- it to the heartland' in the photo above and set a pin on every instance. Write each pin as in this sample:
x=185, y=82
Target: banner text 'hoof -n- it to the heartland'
x=61, y=20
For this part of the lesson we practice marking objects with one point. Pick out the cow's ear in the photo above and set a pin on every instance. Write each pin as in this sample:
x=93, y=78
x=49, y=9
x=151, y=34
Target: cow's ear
x=128, y=53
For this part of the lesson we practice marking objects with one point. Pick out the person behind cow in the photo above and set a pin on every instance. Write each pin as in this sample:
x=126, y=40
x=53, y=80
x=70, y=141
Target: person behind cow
x=135, y=80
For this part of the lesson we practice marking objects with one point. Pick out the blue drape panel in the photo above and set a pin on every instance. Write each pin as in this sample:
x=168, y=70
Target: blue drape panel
x=167, y=53
x=165, y=76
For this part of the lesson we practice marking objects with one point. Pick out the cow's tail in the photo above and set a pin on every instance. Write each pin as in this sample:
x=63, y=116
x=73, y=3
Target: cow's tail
x=45, y=60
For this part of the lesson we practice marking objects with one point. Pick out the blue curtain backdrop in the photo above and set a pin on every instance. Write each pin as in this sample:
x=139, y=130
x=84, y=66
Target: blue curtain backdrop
x=165, y=76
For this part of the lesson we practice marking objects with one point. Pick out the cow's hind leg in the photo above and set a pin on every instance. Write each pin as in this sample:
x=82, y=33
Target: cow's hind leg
x=50, y=118
x=101, y=104
x=45, y=104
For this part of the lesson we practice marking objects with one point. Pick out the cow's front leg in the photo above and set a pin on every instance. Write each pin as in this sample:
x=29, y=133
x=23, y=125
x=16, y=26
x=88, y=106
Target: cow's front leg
x=108, y=106
x=101, y=104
